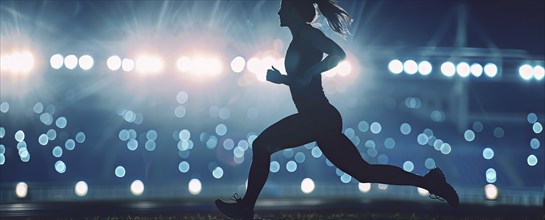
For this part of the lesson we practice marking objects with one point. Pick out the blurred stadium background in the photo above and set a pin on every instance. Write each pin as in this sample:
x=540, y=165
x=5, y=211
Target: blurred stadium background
x=161, y=100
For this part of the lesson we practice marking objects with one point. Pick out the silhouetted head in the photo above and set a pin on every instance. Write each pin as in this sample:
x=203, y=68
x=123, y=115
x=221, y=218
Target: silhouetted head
x=296, y=12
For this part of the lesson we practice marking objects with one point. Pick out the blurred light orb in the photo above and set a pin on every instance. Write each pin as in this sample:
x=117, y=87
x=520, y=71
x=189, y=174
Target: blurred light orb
x=423, y=192
x=86, y=62
x=429, y=163
x=217, y=172
x=488, y=153
x=70, y=144
x=56, y=61
x=395, y=66
x=120, y=171
x=60, y=167
x=532, y=118
x=424, y=68
x=534, y=143
x=344, y=68
x=408, y=166
x=80, y=137
x=183, y=64
x=113, y=63
x=57, y=151
x=405, y=128
x=364, y=187
x=127, y=65
x=532, y=160
x=184, y=135
x=469, y=135
x=446, y=148
x=539, y=72
x=463, y=69
x=61, y=122
x=491, y=191
x=491, y=175
x=307, y=185
x=491, y=70
x=382, y=186
x=375, y=127
x=537, y=127
x=194, y=186
x=476, y=69
x=18, y=62
x=316, y=152
x=81, y=188
x=525, y=72
x=422, y=139
x=137, y=187
x=275, y=166
x=291, y=166
x=19, y=136
x=4, y=107
x=71, y=61
x=345, y=178
x=21, y=190
x=238, y=64
x=389, y=143
x=221, y=129
x=410, y=67
x=448, y=69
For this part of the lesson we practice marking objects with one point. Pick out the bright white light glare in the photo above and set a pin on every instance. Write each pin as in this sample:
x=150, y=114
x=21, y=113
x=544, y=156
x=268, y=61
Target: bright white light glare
x=382, y=186
x=395, y=66
x=491, y=70
x=307, y=185
x=183, y=64
x=207, y=66
x=424, y=68
x=525, y=72
x=448, y=69
x=18, y=62
x=127, y=65
x=113, y=63
x=86, y=62
x=476, y=69
x=539, y=72
x=364, y=187
x=81, y=188
x=137, y=187
x=194, y=186
x=344, y=68
x=463, y=69
x=238, y=64
x=56, y=61
x=491, y=191
x=254, y=65
x=149, y=64
x=21, y=189
x=410, y=67
x=423, y=192
x=71, y=61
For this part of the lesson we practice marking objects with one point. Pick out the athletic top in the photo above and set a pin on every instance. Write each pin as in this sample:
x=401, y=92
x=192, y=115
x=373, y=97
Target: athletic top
x=299, y=58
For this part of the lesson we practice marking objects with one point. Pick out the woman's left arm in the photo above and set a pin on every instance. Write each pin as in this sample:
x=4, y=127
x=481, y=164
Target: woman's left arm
x=319, y=41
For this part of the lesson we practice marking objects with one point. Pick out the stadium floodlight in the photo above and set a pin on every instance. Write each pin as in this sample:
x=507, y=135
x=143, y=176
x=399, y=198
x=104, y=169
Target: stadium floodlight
x=395, y=66
x=307, y=185
x=539, y=72
x=238, y=64
x=113, y=63
x=491, y=191
x=183, y=64
x=137, y=187
x=86, y=62
x=56, y=61
x=127, y=65
x=81, y=188
x=463, y=69
x=424, y=68
x=21, y=189
x=476, y=69
x=194, y=186
x=448, y=69
x=71, y=61
x=525, y=72
x=18, y=62
x=149, y=64
x=410, y=67
x=491, y=70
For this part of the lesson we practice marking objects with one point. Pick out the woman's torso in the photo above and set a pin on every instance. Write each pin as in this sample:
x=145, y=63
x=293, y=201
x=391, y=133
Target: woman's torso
x=299, y=58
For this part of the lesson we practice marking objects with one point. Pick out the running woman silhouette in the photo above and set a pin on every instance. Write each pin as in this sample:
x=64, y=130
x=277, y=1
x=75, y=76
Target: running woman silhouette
x=316, y=119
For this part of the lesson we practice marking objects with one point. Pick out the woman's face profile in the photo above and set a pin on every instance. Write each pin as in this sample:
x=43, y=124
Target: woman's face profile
x=287, y=14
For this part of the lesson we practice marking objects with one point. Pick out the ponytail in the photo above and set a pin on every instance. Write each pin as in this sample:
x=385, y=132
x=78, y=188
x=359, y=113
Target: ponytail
x=338, y=19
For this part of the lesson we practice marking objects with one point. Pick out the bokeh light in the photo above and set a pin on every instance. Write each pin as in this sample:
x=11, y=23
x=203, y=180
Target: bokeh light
x=194, y=186
x=81, y=188
x=21, y=189
x=491, y=191
x=307, y=185
x=137, y=187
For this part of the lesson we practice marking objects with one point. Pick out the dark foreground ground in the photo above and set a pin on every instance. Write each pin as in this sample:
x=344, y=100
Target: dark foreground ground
x=269, y=209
